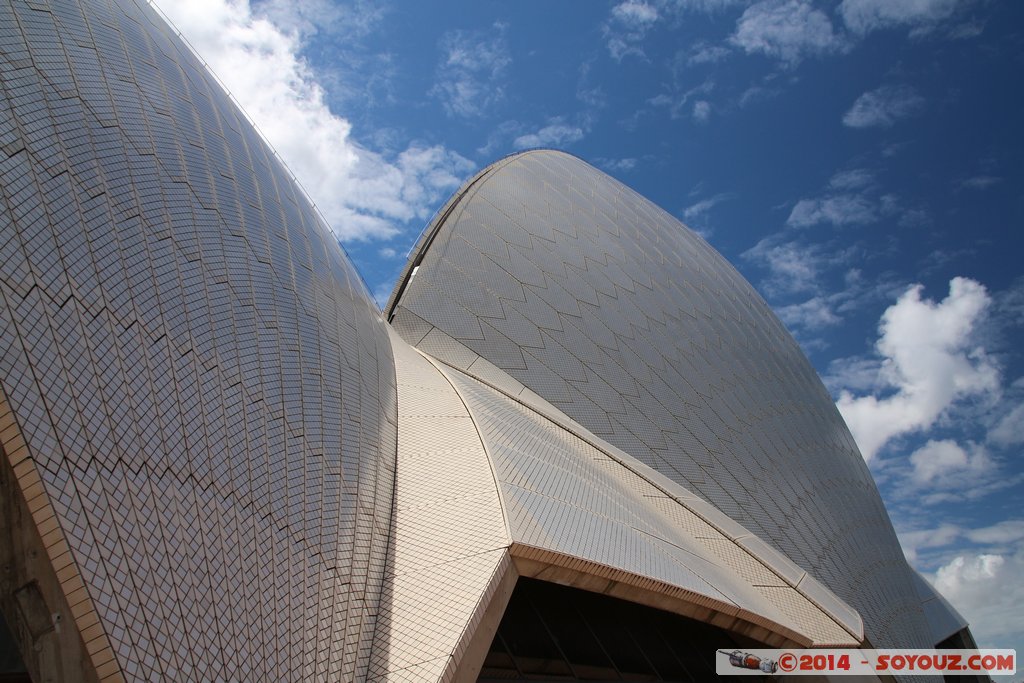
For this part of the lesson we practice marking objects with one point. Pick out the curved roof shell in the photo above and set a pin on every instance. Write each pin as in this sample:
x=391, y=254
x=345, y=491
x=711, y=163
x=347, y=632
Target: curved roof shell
x=196, y=391
x=618, y=315
x=221, y=463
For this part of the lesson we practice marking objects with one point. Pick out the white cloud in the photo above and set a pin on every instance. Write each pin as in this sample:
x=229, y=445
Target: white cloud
x=1009, y=430
x=627, y=164
x=635, y=13
x=912, y=218
x=1000, y=534
x=472, y=66
x=852, y=179
x=757, y=93
x=843, y=209
x=881, y=108
x=929, y=361
x=944, y=472
x=703, y=53
x=813, y=314
x=589, y=94
x=677, y=102
x=786, y=30
x=631, y=20
x=628, y=25
x=701, y=110
x=699, y=209
x=863, y=16
x=620, y=46
x=708, y=6
x=923, y=539
x=997, y=538
x=361, y=194
x=555, y=134
x=853, y=374
x=980, y=571
x=793, y=267
x=987, y=589
x=946, y=464
x=435, y=171
x=350, y=21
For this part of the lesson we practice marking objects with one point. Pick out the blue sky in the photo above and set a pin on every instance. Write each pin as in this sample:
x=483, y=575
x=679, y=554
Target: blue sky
x=858, y=160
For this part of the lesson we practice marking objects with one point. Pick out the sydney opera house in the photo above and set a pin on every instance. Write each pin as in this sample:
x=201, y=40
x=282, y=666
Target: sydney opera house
x=575, y=445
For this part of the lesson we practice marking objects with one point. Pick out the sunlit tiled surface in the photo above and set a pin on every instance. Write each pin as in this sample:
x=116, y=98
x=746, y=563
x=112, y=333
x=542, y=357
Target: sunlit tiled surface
x=199, y=398
x=450, y=541
x=204, y=386
x=610, y=309
x=568, y=496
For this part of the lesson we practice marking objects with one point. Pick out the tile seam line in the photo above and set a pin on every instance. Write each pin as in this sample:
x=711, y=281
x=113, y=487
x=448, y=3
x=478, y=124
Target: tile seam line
x=483, y=442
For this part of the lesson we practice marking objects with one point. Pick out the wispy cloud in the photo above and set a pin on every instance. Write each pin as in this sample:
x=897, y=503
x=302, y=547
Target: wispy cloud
x=699, y=209
x=677, y=103
x=435, y=170
x=587, y=92
x=1002, y=533
x=787, y=30
x=707, y=6
x=635, y=13
x=928, y=360
x=883, y=107
x=469, y=77
x=852, y=197
x=828, y=307
x=972, y=28
x=978, y=182
x=793, y=266
x=349, y=20
x=701, y=111
x=360, y=72
x=862, y=16
x=814, y=314
x=617, y=165
x=630, y=21
x=556, y=134
x=851, y=179
x=706, y=53
x=999, y=537
x=843, y=209
x=627, y=26
x=924, y=539
x=854, y=374
x=1009, y=430
x=361, y=193
x=758, y=93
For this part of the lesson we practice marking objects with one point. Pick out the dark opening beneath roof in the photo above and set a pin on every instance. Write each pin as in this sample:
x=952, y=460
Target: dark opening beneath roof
x=557, y=633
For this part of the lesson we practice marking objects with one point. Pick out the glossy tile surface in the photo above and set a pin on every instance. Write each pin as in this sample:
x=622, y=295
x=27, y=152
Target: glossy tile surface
x=205, y=388
x=632, y=325
x=450, y=541
x=240, y=473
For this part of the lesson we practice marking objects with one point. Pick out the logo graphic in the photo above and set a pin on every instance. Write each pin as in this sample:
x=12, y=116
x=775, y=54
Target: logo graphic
x=745, y=660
